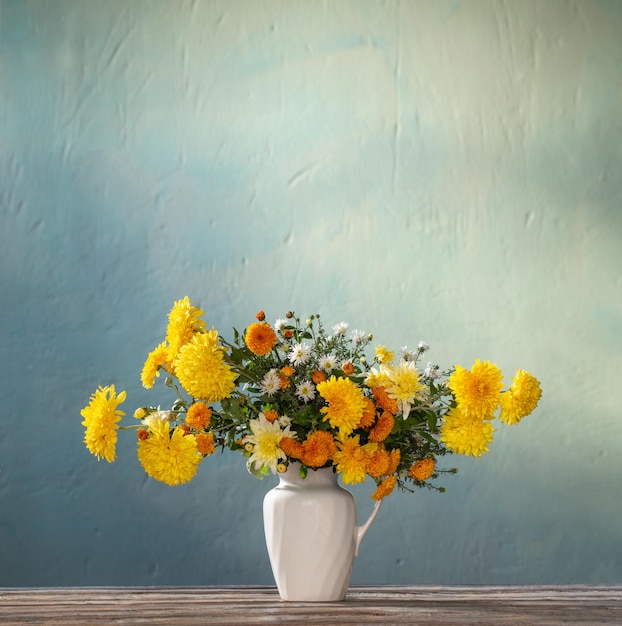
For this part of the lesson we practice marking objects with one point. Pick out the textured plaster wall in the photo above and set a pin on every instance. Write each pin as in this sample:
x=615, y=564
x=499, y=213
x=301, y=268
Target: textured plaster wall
x=426, y=170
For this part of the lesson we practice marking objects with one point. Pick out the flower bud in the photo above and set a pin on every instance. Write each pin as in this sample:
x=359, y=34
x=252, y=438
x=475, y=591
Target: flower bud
x=140, y=413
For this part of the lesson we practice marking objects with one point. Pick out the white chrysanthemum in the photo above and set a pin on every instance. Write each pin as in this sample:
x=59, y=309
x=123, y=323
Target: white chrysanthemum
x=156, y=416
x=404, y=386
x=407, y=355
x=341, y=328
x=286, y=421
x=270, y=383
x=280, y=324
x=305, y=390
x=299, y=354
x=358, y=336
x=265, y=439
x=423, y=346
x=431, y=371
x=328, y=362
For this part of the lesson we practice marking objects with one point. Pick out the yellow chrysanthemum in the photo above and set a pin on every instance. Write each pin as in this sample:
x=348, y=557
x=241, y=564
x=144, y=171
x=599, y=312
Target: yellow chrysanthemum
x=260, y=338
x=377, y=377
x=156, y=359
x=466, y=434
x=385, y=488
x=346, y=403
x=423, y=469
x=201, y=369
x=170, y=458
x=404, y=387
x=199, y=415
x=351, y=460
x=383, y=355
x=265, y=439
x=183, y=322
x=521, y=399
x=100, y=420
x=478, y=391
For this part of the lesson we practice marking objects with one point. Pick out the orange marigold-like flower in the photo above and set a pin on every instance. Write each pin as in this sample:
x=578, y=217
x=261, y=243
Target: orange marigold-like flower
x=142, y=434
x=378, y=464
x=422, y=470
x=288, y=370
x=185, y=428
x=396, y=457
x=288, y=333
x=285, y=382
x=291, y=447
x=382, y=428
x=369, y=415
x=383, y=400
x=260, y=338
x=384, y=488
x=261, y=316
x=318, y=448
x=347, y=368
x=270, y=415
x=205, y=443
x=199, y=415
x=318, y=377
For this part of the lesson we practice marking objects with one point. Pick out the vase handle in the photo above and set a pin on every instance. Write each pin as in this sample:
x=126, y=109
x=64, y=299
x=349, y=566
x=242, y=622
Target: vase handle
x=359, y=531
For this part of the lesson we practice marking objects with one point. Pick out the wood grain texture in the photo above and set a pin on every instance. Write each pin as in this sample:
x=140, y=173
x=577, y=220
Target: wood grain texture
x=425, y=605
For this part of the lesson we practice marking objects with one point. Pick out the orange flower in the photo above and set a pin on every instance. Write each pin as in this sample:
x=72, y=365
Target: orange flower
x=347, y=368
x=260, y=338
x=270, y=415
x=142, y=434
x=383, y=400
x=378, y=464
x=285, y=382
x=369, y=414
x=318, y=377
x=291, y=447
x=199, y=415
x=318, y=448
x=422, y=470
x=383, y=427
x=185, y=428
x=288, y=370
x=261, y=316
x=205, y=443
x=384, y=488
x=396, y=456
x=288, y=333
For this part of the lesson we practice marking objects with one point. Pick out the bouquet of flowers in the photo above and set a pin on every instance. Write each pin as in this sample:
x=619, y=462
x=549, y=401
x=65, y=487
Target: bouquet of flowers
x=297, y=392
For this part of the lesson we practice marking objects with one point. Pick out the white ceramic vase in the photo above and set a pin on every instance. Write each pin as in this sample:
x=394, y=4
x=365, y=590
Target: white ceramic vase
x=312, y=535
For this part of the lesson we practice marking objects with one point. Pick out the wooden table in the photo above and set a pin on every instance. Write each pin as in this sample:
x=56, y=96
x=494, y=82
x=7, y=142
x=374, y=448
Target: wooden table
x=423, y=605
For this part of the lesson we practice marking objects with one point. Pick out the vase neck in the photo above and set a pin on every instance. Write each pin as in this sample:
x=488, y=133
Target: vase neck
x=314, y=478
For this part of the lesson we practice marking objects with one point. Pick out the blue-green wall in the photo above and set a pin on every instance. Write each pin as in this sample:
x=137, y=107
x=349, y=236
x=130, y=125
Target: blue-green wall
x=426, y=170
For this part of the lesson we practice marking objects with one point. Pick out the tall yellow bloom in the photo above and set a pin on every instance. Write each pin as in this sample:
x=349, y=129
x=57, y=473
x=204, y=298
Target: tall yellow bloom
x=384, y=355
x=170, y=458
x=100, y=419
x=156, y=359
x=351, y=460
x=521, y=399
x=478, y=391
x=201, y=369
x=183, y=322
x=466, y=434
x=346, y=403
x=404, y=386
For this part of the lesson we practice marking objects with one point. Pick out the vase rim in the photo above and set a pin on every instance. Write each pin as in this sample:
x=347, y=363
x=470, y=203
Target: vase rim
x=314, y=477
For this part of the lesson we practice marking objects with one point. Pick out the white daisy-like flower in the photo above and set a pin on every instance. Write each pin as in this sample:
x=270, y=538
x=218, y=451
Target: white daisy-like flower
x=431, y=371
x=265, y=439
x=341, y=328
x=328, y=362
x=156, y=416
x=305, y=390
x=358, y=336
x=286, y=421
x=423, y=346
x=299, y=354
x=407, y=355
x=270, y=383
x=280, y=324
